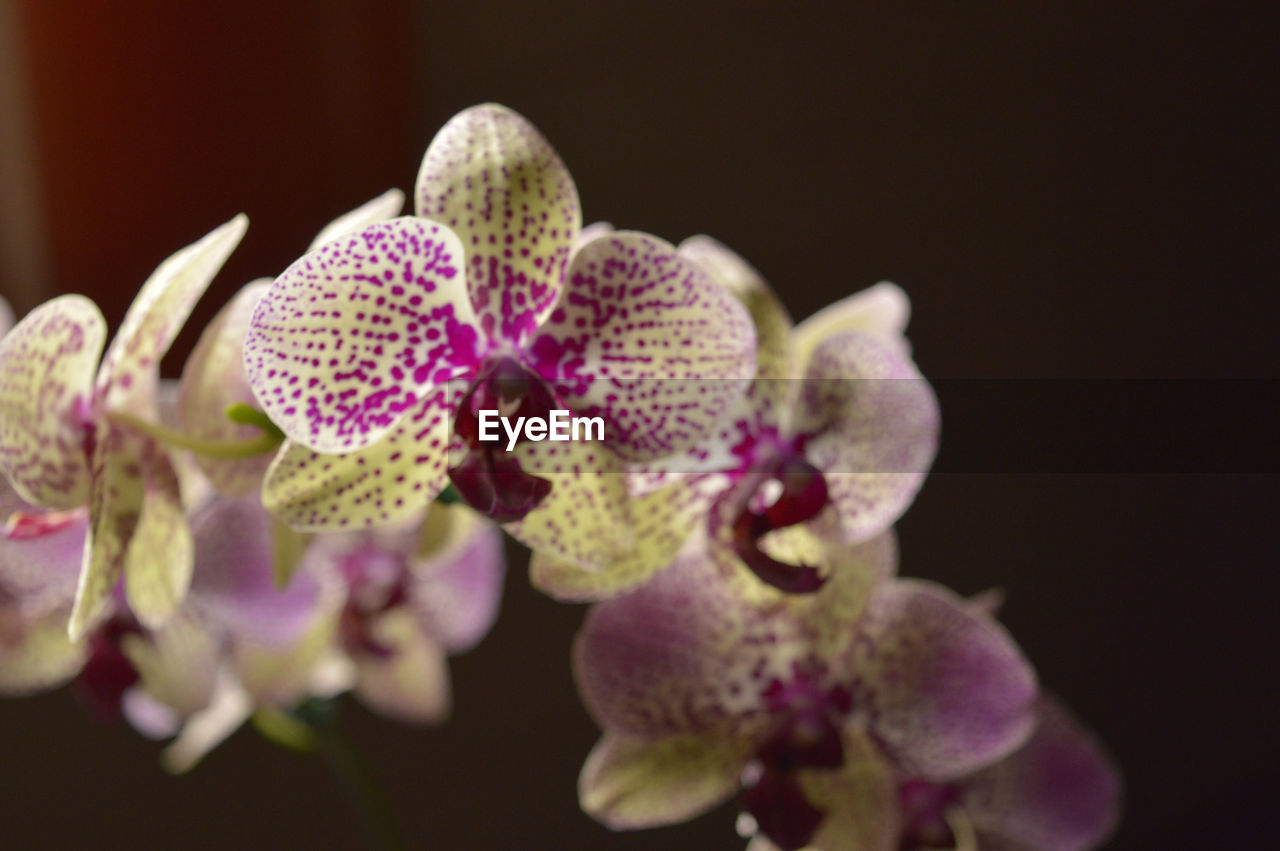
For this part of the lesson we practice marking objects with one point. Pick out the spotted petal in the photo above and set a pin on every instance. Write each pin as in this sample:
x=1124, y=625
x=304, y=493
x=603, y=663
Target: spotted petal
x=130, y=369
x=357, y=332
x=385, y=206
x=380, y=484
x=160, y=557
x=213, y=379
x=492, y=178
x=46, y=386
x=635, y=783
x=590, y=537
x=946, y=691
x=881, y=311
x=1059, y=792
x=874, y=421
x=645, y=339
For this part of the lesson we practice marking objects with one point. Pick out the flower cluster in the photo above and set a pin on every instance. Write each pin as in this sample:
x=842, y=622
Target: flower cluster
x=316, y=507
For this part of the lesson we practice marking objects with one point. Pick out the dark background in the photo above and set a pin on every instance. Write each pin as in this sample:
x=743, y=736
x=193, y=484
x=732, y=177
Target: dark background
x=1065, y=193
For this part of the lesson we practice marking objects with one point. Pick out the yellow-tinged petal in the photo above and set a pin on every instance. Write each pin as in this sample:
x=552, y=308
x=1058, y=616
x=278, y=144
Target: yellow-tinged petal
x=130, y=368
x=280, y=678
x=177, y=665
x=36, y=655
x=860, y=800
x=410, y=684
x=229, y=707
x=161, y=555
x=635, y=783
x=46, y=386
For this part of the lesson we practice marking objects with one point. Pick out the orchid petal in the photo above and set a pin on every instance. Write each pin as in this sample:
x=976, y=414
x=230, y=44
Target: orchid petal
x=36, y=655
x=492, y=178
x=385, y=206
x=1059, y=792
x=228, y=709
x=682, y=654
x=633, y=312
x=772, y=322
x=411, y=684
x=636, y=783
x=357, y=332
x=233, y=583
x=874, y=422
x=159, y=561
x=590, y=233
x=860, y=800
x=130, y=369
x=383, y=483
x=280, y=678
x=177, y=664
x=881, y=311
x=457, y=579
x=46, y=388
x=213, y=379
x=6, y=317
x=115, y=506
x=947, y=691
x=591, y=537
x=40, y=571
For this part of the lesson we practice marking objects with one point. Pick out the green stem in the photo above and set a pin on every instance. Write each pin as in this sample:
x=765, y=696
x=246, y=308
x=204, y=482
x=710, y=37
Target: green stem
x=352, y=773
x=226, y=449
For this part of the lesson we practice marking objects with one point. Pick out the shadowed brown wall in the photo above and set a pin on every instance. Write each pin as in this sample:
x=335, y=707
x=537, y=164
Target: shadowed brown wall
x=1064, y=193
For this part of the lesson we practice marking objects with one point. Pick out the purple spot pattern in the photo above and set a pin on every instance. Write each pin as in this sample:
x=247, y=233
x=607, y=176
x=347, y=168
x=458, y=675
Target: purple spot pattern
x=500, y=186
x=354, y=334
x=46, y=377
x=643, y=338
x=387, y=481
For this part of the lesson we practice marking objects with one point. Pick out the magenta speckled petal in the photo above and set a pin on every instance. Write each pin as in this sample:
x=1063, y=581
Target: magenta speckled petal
x=943, y=690
x=645, y=339
x=356, y=333
x=1059, y=792
x=635, y=783
x=591, y=537
x=213, y=378
x=875, y=423
x=457, y=581
x=47, y=367
x=131, y=367
x=683, y=654
x=388, y=481
x=232, y=584
x=492, y=178
x=385, y=206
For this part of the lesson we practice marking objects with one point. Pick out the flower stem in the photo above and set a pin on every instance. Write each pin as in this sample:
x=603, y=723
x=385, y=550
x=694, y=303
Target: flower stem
x=352, y=773
x=268, y=441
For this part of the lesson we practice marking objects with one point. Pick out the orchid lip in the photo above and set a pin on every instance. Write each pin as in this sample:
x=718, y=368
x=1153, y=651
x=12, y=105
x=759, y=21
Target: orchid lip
x=108, y=673
x=802, y=497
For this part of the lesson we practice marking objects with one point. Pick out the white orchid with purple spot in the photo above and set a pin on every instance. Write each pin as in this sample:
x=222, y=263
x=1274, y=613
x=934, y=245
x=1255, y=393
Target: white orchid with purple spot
x=73, y=431
x=703, y=692
x=375, y=351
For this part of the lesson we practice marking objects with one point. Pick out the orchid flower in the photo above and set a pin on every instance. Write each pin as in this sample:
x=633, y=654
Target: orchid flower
x=374, y=352
x=704, y=691
x=415, y=593
x=6, y=317
x=70, y=439
x=835, y=433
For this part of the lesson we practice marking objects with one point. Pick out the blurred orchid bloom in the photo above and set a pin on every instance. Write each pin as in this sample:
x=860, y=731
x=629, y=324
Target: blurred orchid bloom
x=835, y=434
x=374, y=352
x=6, y=317
x=415, y=593
x=1058, y=792
x=703, y=690
x=214, y=378
x=73, y=432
